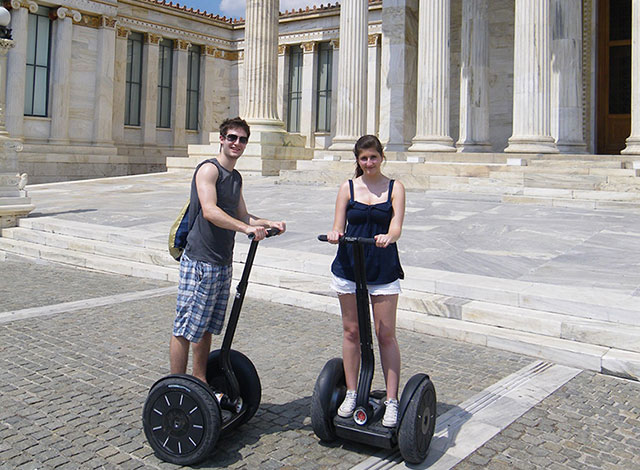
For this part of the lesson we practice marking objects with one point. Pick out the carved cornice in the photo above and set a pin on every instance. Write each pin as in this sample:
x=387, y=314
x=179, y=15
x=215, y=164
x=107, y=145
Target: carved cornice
x=150, y=38
x=88, y=6
x=181, y=45
x=209, y=50
x=90, y=21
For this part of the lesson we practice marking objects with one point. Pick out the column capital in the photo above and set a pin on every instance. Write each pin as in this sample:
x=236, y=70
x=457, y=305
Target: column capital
x=309, y=46
x=108, y=22
x=150, y=38
x=122, y=33
x=5, y=45
x=209, y=50
x=374, y=39
x=335, y=43
x=29, y=4
x=181, y=45
x=283, y=49
x=64, y=12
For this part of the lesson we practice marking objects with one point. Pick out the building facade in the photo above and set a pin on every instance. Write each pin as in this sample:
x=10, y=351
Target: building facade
x=115, y=87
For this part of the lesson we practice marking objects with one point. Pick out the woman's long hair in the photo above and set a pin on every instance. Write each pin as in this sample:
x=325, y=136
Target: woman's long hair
x=366, y=142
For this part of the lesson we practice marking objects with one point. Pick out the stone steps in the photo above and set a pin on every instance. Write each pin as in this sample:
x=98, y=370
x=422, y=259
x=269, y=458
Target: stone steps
x=565, y=324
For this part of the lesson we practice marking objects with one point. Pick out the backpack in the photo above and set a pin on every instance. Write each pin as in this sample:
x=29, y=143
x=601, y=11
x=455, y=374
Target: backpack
x=178, y=233
x=183, y=223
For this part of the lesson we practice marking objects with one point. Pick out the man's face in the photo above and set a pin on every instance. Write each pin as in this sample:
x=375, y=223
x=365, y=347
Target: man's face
x=234, y=142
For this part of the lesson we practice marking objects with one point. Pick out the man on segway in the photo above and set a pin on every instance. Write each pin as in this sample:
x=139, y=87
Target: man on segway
x=218, y=210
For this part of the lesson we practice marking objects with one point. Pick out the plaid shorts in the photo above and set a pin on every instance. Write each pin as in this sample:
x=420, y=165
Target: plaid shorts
x=203, y=294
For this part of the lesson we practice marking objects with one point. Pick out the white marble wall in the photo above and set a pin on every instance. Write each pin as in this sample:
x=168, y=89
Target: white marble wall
x=373, y=86
x=104, y=85
x=179, y=92
x=85, y=100
x=149, y=107
x=309, y=87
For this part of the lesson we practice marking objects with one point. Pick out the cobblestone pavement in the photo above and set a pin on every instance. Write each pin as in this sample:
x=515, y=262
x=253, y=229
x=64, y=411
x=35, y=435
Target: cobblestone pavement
x=74, y=385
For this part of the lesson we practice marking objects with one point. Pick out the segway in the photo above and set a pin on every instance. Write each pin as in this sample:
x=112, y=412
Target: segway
x=417, y=405
x=184, y=417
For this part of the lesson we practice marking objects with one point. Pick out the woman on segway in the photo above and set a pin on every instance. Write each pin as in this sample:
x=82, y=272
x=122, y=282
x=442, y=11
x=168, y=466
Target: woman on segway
x=372, y=206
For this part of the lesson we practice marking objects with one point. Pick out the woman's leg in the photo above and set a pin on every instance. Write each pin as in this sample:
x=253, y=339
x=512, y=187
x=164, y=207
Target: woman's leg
x=384, y=315
x=350, y=339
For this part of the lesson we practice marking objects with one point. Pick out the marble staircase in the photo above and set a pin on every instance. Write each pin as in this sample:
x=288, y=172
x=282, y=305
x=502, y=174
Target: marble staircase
x=587, y=181
x=590, y=328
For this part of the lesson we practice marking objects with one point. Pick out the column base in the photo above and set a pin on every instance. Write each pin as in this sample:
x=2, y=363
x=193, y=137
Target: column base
x=473, y=147
x=11, y=213
x=633, y=146
x=532, y=144
x=343, y=143
x=432, y=144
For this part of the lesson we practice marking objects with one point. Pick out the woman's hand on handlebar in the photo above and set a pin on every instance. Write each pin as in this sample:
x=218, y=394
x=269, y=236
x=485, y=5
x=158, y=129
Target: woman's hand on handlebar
x=383, y=240
x=333, y=237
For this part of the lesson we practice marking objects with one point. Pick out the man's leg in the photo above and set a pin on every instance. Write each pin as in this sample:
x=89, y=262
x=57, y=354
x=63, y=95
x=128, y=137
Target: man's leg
x=201, y=351
x=178, y=354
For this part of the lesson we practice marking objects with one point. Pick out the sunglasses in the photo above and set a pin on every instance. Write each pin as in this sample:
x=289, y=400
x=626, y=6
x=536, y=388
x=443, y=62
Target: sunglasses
x=233, y=138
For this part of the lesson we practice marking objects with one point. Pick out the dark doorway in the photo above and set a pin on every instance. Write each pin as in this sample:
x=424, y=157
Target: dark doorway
x=614, y=75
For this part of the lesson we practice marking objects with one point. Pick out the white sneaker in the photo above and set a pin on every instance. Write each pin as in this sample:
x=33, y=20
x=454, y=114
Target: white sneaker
x=390, y=418
x=348, y=405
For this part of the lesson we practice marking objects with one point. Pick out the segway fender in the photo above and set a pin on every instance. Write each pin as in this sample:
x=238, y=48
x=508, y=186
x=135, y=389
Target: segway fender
x=407, y=394
x=332, y=375
x=187, y=377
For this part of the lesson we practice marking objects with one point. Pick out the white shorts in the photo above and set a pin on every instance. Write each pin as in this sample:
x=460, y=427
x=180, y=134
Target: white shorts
x=344, y=286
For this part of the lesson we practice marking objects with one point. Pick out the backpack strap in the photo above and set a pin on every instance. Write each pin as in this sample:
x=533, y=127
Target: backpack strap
x=390, y=190
x=194, y=206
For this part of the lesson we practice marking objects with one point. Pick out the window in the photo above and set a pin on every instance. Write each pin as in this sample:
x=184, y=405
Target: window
x=193, y=88
x=36, y=93
x=165, y=67
x=295, y=89
x=323, y=97
x=134, y=80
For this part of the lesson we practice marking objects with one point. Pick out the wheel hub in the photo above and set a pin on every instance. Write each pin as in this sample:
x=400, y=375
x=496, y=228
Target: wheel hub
x=176, y=422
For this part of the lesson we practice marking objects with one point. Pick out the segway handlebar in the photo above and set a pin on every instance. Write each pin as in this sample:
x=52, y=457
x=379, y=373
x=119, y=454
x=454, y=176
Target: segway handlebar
x=343, y=239
x=271, y=232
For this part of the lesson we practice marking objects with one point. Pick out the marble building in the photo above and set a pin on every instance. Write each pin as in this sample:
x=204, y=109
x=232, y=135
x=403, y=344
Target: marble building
x=116, y=87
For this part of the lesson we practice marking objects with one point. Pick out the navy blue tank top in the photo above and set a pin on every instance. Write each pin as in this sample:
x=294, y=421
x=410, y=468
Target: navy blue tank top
x=367, y=220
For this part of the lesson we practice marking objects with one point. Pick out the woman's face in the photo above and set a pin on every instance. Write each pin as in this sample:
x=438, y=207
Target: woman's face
x=370, y=161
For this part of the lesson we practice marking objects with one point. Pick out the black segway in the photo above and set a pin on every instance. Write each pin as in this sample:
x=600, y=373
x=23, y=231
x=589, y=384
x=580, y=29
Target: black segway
x=417, y=405
x=184, y=417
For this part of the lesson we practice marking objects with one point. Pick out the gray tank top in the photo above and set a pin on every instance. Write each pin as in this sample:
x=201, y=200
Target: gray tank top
x=206, y=241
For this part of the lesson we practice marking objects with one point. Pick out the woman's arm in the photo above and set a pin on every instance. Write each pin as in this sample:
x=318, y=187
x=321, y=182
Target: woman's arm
x=395, y=227
x=340, y=215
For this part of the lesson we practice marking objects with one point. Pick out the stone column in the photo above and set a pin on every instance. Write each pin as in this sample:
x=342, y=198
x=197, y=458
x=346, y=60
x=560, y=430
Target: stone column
x=261, y=65
x=60, y=74
x=150, y=59
x=399, y=74
x=474, y=78
x=14, y=202
x=373, y=87
x=351, y=119
x=119, y=84
x=335, y=43
x=309, y=73
x=179, y=91
x=432, y=119
x=566, y=76
x=104, y=97
x=532, y=79
x=17, y=68
x=633, y=141
x=208, y=82
x=283, y=74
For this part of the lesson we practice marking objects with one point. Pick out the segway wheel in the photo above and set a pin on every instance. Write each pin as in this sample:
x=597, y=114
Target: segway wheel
x=328, y=393
x=418, y=423
x=248, y=380
x=181, y=420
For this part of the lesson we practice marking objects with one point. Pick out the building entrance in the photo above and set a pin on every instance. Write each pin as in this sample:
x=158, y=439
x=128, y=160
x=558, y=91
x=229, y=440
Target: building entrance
x=614, y=75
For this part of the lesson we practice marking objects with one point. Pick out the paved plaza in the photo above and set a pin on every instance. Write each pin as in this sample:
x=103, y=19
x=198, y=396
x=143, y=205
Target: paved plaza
x=81, y=348
x=74, y=384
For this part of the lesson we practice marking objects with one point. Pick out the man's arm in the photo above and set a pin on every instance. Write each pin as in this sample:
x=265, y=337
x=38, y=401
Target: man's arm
x=206, y=186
